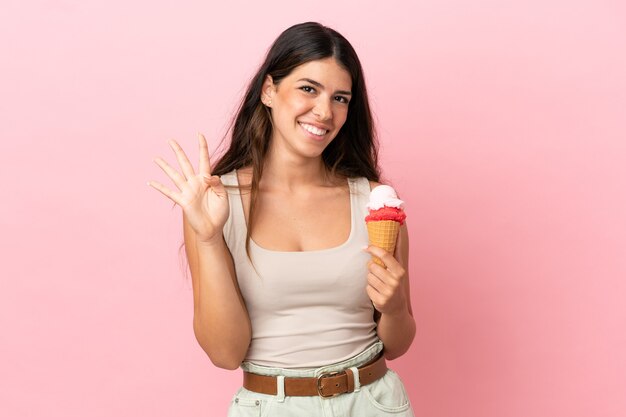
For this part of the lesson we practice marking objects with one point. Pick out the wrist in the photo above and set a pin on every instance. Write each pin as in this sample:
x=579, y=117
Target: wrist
x=399, y=314
x=210, y=243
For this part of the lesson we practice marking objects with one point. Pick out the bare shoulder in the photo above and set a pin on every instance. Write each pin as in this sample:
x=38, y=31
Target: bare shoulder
x=244, y=176
x=374, y=184
x=245, y=171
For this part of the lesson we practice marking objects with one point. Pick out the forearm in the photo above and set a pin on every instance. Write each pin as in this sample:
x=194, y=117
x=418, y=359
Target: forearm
x=396, y=332
x=221, y=321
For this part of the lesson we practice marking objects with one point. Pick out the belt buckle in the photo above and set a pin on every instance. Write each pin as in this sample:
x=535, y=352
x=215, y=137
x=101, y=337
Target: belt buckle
x=319, y=385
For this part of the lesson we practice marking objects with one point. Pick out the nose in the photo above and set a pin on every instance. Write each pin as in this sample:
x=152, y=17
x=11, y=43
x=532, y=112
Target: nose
x=323, y=109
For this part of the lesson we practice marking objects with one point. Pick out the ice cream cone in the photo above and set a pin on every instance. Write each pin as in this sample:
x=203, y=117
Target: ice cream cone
x=383, y=233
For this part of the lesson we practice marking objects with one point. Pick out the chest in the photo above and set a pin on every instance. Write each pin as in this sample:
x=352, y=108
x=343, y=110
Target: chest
x=293, y=223
x=305, y=281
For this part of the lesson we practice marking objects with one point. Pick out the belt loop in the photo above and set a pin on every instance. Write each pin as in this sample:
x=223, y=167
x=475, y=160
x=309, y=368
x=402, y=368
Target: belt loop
x=280, y=388
x=357, y=381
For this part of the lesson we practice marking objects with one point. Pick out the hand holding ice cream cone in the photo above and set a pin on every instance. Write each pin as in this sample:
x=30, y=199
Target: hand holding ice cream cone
x=386, y=275
x=386, y=215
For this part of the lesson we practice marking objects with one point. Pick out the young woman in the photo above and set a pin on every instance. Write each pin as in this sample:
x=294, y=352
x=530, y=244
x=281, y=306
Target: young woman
x=276, y=241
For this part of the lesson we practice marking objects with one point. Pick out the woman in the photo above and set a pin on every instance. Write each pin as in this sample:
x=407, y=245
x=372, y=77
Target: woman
x=283, y=286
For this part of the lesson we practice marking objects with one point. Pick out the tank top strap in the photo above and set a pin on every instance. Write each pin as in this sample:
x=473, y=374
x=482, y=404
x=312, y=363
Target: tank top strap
x=360, y=194
x=235, y=227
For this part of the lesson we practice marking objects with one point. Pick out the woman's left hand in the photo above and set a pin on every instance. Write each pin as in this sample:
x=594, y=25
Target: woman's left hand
x=386, y=287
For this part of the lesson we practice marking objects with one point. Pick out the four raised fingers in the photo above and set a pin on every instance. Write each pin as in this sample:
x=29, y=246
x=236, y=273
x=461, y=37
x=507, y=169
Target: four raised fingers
x=186, y=166
x=183, y=161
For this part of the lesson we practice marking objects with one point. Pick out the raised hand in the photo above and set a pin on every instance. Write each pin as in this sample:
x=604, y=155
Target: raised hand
x=202, y=196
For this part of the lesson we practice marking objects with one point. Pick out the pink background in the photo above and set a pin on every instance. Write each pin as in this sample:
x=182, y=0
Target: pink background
x=502, y=126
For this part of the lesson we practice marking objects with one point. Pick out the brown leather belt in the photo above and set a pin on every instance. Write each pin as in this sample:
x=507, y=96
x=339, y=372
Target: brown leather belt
x=328, y=384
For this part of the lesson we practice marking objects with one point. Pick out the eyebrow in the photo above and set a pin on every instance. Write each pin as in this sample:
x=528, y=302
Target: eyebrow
x=315, y=83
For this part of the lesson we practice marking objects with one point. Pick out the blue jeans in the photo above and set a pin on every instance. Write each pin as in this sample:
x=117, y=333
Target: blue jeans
x=383, y=397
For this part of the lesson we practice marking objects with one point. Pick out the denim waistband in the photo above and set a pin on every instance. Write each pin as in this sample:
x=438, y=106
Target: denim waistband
x=357, y=360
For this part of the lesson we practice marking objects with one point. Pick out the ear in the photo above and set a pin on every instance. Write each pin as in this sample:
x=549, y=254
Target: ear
x=268, y=90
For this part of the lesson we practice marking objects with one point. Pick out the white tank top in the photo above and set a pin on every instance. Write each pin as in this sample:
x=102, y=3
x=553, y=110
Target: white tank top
x=308, y=308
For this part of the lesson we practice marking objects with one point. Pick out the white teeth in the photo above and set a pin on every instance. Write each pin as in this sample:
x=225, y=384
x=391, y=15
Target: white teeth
x=313, y=129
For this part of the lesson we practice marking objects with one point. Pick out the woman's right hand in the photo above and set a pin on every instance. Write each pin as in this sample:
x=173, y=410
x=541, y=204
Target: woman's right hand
x=202, y=196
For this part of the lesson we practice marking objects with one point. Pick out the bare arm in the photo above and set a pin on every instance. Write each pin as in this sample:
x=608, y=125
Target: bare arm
x=392, y=297
x=220, y=322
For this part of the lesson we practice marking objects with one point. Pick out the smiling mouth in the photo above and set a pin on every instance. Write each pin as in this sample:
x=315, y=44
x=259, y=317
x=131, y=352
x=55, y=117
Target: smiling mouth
x=314, y=130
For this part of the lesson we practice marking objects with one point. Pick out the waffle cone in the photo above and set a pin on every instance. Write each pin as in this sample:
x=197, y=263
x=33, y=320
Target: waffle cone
x=383, y=233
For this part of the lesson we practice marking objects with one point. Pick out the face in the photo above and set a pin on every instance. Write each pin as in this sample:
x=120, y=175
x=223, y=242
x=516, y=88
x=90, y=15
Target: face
x=309, y=106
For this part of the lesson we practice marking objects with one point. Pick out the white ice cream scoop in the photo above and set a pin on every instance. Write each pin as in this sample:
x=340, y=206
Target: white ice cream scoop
x=384, y=195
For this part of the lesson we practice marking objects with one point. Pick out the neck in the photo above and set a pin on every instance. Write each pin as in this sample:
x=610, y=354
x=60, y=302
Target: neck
x=288, y=173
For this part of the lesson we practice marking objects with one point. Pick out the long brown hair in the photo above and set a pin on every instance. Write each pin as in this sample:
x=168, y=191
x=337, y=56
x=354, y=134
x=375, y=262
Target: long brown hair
x=352, y=153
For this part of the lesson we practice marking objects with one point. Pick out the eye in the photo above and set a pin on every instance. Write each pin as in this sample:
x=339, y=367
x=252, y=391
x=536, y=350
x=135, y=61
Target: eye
x=307, y=88
x=342, y=99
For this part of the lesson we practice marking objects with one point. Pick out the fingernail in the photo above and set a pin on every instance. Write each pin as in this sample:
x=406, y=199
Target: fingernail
x=365, y=247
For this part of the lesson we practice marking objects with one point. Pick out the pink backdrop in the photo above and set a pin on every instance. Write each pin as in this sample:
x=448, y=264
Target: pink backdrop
x=502, y=127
